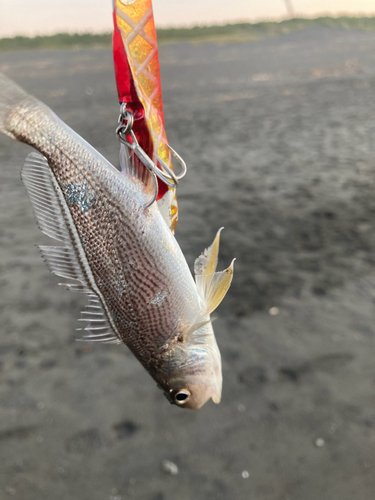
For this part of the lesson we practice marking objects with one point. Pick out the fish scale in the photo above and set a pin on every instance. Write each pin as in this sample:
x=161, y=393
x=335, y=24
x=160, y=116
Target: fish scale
x=121, y=253
x=119, y=231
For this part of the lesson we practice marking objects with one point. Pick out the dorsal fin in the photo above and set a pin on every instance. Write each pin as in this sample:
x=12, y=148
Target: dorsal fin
x=68, y=260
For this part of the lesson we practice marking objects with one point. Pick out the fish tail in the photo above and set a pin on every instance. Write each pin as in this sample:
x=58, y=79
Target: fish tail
x=12, y=100
x=26, y=119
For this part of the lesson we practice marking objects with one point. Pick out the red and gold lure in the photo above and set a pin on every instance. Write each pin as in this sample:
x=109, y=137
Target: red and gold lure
x=136, y=62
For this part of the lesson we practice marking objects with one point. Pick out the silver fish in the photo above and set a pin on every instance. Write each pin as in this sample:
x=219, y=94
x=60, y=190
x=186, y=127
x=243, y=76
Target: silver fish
x=121, y=254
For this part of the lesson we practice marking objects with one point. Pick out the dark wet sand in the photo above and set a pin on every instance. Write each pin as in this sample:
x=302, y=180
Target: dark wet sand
x=279, y=136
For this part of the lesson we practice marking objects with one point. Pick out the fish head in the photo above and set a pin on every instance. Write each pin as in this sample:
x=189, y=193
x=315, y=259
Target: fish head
x=194, y=370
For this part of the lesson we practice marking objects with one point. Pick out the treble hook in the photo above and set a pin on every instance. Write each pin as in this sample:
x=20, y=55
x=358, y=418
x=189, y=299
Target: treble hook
x=170, y=172
x=166, y=174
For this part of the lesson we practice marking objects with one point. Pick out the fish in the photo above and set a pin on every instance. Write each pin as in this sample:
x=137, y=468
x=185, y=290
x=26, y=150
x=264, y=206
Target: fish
x=120, y=253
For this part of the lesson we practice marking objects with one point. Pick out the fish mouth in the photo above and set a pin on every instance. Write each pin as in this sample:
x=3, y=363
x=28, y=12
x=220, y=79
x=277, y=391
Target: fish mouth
x=196, y=397
x=216, y=399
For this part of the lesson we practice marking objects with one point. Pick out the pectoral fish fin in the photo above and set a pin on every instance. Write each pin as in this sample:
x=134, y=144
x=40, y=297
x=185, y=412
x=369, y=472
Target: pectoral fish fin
x=212, y=288
x=68, y=260
x=189, y=334
x=206, y=263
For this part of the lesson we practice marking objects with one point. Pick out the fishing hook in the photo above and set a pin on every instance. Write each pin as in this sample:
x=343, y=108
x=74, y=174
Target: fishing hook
x=166, y=174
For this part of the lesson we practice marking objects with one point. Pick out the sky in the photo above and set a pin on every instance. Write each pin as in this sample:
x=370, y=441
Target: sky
x=31, y=17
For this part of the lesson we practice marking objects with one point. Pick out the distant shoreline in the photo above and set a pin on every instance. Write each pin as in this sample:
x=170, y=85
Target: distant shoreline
x=240, y=32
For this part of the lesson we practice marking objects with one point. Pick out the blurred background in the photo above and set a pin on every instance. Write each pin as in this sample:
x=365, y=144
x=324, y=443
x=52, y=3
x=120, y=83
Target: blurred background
x=94, y=16
x=272, y=106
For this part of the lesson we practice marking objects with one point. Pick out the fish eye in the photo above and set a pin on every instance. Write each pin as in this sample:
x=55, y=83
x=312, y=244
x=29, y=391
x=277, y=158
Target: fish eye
x=182, y=396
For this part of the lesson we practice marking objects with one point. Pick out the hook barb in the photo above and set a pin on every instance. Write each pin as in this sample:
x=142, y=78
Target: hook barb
x=166, y=174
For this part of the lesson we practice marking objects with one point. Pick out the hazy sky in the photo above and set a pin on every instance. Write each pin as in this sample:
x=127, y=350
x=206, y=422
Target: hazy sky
x=48, y=16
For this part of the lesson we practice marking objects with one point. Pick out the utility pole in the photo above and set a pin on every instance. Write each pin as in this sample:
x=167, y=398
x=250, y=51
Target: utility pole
x=289, y=8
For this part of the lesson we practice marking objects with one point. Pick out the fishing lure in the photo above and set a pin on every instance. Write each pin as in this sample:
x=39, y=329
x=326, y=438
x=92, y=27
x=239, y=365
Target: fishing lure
x=141, y=123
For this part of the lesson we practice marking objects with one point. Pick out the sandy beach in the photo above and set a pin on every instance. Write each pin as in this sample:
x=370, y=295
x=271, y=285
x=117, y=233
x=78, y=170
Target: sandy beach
x=279, y=139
